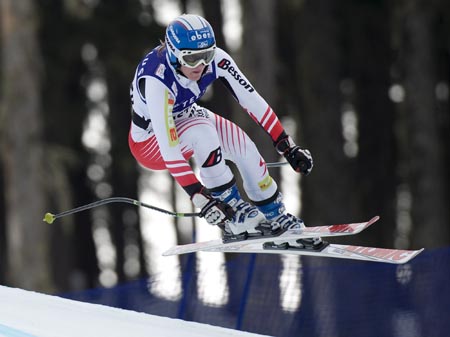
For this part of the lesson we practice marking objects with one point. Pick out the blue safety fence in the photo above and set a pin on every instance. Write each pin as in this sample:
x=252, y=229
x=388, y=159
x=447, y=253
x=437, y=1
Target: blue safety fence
x=334, y=298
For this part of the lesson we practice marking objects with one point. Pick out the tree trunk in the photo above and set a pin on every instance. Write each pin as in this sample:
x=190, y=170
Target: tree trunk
x=22, y=151
x=259, y=64
x=326, y=192
x=427, y=174
x=221, y=100
x=2, y=186
x=327, y=195
x=369, y=66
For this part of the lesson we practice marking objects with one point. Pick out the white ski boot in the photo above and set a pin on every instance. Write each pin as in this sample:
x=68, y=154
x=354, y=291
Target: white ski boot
x=248, y=219
x=274, y=210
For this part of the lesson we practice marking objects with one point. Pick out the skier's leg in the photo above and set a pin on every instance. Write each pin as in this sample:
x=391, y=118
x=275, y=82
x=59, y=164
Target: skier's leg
x=197, y=134
x=240, y=149
x=258, y=184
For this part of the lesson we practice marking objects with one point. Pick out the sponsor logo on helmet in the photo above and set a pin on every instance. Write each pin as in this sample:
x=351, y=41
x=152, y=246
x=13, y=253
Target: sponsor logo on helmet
x=170, y=45
x=225, y=65
x=174, y=35
x=203, y=44
x=199, y=35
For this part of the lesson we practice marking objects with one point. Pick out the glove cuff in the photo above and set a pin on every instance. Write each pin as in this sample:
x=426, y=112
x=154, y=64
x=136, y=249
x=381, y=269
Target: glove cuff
x=284, y=144
x=201, y=198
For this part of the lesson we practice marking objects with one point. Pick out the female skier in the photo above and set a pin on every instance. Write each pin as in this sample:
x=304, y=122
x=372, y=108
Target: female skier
x=169, y=127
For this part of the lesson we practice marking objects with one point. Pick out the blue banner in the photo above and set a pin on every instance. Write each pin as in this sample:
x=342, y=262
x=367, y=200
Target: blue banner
x=334, y=297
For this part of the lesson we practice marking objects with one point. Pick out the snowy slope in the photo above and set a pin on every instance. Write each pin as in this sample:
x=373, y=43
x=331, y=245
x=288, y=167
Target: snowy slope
x=29, y=314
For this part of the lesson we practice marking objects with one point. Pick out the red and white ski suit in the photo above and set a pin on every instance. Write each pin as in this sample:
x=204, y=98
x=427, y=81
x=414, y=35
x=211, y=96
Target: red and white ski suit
x=169, y=128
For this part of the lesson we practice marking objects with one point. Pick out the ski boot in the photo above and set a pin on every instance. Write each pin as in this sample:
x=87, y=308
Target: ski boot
x=274, y=210
x=247, y=222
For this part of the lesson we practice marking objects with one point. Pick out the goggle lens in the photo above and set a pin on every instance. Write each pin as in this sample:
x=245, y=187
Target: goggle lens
x=193, y=58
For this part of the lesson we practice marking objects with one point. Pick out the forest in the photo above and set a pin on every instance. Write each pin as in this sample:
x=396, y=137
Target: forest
x=363, y=84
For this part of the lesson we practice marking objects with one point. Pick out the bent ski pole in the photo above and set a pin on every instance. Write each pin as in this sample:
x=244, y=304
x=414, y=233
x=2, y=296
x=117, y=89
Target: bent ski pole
x=49, y=217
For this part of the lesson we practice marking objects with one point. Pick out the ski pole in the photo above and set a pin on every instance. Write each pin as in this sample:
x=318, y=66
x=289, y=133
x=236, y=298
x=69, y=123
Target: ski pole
x=277, y=164
x=50, y=217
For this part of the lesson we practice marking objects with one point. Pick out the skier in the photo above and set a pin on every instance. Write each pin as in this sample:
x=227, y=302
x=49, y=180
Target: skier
x=169, y=127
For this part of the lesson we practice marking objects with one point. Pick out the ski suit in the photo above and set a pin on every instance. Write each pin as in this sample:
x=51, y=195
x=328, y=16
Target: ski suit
x=168, y=126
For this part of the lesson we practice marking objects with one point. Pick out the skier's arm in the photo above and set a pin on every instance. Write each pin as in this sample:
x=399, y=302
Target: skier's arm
x=261, y=112
x=246, y=95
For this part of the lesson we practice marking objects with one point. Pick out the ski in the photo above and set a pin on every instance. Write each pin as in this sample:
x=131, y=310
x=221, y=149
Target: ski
x=375, y=254
x=288, y=235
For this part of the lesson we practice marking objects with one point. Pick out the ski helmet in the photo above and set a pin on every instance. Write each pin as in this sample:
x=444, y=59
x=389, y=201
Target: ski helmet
x=190, y=41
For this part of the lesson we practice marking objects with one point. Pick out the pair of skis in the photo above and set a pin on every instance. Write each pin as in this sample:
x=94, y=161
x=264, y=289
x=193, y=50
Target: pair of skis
x=286, y=243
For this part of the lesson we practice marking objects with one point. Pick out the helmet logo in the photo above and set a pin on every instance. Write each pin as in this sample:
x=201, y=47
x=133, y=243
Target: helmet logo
x=172, y=48
x=175, y=37
x=203, y=44
x=199, y=35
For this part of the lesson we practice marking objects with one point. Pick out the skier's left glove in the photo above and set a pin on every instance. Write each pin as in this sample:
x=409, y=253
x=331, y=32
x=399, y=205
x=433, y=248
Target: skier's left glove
x=300, y=159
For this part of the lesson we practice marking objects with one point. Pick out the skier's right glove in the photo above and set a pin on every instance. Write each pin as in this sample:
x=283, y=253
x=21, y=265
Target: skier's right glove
x=214, y=211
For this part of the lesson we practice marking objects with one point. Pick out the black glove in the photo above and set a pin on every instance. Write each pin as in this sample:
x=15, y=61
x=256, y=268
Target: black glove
x=214, y=211
x=300, y=160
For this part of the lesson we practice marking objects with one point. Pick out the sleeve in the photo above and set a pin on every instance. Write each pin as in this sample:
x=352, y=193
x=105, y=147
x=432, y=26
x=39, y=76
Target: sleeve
x=247, y=96
x=160, y=103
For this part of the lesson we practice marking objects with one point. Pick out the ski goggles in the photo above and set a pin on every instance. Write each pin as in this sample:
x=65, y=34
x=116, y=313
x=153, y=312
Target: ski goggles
x=192, y=58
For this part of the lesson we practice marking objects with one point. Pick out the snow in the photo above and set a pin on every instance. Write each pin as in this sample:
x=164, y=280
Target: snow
x=30, y=314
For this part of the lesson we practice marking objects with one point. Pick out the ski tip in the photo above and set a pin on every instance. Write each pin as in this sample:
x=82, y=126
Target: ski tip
x=418, y=251
x=412, y=255
x=409, y=255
